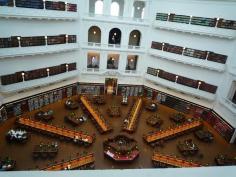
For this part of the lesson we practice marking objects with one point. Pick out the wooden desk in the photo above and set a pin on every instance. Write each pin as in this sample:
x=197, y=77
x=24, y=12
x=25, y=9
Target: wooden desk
x=160, y=135
x=133, y=116
x=97, y=117
x=72, y=164
x=172, y=161
x=67, y=133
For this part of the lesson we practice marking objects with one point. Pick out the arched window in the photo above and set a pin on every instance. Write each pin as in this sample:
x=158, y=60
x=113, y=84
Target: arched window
x=134, y=38
x=115, y=9
x=114, y=36
x=99, y=7
x=138, y=9
x=94, y=35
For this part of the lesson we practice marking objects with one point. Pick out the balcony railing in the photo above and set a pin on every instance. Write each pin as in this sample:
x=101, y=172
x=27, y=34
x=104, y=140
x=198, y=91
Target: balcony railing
x=110, y=17
x=113, y=46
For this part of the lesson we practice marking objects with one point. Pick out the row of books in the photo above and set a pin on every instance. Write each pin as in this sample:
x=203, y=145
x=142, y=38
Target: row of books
x=35, y=4
x=37, y=73
x=182, y=80
x=9, y=3
x=39, y=4
x=35, y=40
x=9, y=42
x=202, y=21
x=37, y=101
x=211, y=56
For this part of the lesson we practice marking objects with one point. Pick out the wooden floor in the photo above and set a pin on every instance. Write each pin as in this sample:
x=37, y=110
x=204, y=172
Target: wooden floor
x=22, y=153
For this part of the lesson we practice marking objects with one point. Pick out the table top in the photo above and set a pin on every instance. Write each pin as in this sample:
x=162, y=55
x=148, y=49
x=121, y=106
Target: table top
x=171, y=131
x=95, y=114
x=57, y=130
x=72, y=164
x=173, y=161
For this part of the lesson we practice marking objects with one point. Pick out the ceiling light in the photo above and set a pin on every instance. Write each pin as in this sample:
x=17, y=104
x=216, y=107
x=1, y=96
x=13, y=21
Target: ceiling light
x=94, y=32
x=115, y=34
x=135, y=36
x=138, y=8
x=131, y=59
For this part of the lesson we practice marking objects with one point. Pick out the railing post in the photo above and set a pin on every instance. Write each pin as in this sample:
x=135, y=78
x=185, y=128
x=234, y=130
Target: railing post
x=217, y=22
x=46, y=40
x=23, y=76
x=190, y=20
x=176, y=79
x=199, y=84
x=44, y=6
x=67, y=66
x=19, y=42
x=48, y=71
x=207, y=55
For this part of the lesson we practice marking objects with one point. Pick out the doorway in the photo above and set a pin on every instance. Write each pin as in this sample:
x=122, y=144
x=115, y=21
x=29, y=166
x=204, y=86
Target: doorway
x=111, y=86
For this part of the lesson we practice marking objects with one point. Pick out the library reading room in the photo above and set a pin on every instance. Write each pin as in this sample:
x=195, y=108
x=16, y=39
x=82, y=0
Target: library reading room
x=123, y=87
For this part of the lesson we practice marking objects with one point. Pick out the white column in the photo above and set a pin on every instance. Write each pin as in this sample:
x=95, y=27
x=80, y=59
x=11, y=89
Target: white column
x=122, y=62
x=128, y=6
x=233, y=137
x=103, y=60
x=105, y=35
x=106, y=7
x=147, y=10
x=125, y=37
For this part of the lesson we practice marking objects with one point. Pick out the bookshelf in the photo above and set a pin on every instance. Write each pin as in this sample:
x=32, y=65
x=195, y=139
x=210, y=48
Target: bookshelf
x=36, y=74
x=210, y=26
x=195, y=53
x=34, y=45
x=196, y=84
x=38, y=9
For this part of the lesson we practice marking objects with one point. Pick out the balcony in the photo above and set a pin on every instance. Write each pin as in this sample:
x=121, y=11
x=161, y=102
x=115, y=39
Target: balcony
x=36, y=50
x=204, y=63
x=113, y=47
x=111, y=72
x=115, y=19
x=228, y=104
x=33, y=13
x=195, y=29
x=37, y=82
x=180, y=88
